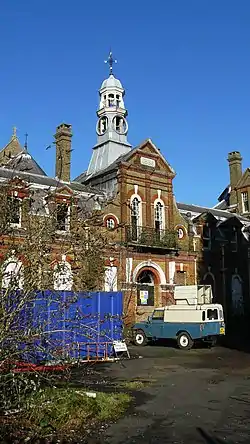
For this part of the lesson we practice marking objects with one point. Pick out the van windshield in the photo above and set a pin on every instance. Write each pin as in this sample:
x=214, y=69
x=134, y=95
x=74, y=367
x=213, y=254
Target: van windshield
x=158, y=315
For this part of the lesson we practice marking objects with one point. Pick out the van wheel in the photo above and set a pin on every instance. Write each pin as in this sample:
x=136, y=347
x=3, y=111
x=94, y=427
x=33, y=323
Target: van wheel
x=140, y=338
x=184, y=341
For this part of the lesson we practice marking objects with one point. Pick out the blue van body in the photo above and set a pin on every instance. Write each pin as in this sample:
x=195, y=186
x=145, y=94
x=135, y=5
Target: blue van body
x=161, y=328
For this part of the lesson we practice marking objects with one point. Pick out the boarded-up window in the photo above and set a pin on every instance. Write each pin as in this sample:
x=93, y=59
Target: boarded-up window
x=180, y=278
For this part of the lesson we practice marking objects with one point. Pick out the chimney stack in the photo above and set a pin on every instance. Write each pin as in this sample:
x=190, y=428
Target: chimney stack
x=63, y=151
x=235, y=168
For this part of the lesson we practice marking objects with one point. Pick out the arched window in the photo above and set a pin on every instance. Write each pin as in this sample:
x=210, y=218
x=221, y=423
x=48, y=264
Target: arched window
x=63, y=276
x=117, y=100
x=135, y=217
x=237, y=295
x=12, y=274
x=111, y=100
x=158, y=217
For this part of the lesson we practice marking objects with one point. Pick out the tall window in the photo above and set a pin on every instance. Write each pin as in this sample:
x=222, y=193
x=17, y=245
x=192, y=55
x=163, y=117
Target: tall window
x=14, y=210
x=110, y=283
x=245, y=203
x=12, y=274
x=135, y=215
x=62, y=217
x=63, y=279
x=111, y=100
x=206, y=237
x=158, y=217
x=234, y=240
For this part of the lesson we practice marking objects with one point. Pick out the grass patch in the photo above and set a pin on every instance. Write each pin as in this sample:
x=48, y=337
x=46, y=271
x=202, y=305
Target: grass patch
x=61, y=411
x=135, y=384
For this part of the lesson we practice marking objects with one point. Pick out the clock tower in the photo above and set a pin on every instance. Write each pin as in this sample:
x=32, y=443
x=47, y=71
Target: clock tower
x=112, y=125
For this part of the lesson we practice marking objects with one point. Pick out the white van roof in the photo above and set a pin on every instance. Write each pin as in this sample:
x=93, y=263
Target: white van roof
x=190, y=307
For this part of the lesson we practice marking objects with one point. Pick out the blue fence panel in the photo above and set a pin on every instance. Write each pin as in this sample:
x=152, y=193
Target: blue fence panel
x=72, y=325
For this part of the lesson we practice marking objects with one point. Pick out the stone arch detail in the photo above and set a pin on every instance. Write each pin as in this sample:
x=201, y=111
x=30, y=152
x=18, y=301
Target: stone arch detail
x=152, y=266
x=210, y=275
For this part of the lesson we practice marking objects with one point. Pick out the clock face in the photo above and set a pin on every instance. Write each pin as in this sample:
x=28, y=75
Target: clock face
x=120, y=124
x=102, y=125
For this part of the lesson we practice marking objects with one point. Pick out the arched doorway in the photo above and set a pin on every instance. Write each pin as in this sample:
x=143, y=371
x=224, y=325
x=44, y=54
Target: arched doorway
x=146, y=288
x=208, y=279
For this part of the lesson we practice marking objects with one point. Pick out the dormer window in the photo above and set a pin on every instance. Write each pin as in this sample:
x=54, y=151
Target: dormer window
x=14, y=210
x=245, y=202
x=62, y=217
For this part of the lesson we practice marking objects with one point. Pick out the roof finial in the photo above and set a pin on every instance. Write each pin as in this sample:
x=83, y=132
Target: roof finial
x=26, y=141
x=110, y=61
x=14, y=136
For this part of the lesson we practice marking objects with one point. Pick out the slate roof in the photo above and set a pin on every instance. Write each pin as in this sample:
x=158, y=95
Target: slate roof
x=112, y=167
x=221, y=205
x=197, y=209
x=42, y=179
x=25, y=162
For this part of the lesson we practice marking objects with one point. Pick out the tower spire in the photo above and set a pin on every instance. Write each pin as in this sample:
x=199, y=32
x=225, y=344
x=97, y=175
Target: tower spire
x=110, y=61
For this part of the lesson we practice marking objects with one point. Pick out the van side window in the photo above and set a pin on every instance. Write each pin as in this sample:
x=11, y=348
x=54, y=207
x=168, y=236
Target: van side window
x=203, y=315
x=212, y=315
x=158, y=315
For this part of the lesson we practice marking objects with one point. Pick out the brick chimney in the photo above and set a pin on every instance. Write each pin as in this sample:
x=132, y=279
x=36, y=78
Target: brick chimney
x=63, y=151
x=235, y=168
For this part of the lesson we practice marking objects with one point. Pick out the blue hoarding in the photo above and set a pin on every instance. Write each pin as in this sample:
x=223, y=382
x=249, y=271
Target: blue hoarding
x=63, y=325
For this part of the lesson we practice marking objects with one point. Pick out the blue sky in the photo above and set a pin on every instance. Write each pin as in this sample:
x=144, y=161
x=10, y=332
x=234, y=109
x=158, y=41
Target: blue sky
x=184, y=64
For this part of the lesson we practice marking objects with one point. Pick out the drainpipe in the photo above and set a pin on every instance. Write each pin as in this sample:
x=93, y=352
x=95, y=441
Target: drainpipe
x=195, y=271
x=223, y=270
x=248, y=257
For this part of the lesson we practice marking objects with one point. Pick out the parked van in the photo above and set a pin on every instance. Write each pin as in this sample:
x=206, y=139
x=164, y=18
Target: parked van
x=186, y=322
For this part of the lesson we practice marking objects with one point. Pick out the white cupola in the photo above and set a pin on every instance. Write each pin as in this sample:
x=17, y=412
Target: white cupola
x=112, y=125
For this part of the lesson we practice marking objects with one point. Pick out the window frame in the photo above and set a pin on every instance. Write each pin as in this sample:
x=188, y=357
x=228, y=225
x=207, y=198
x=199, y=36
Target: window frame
x=158, y=318
x=212, y=310
x=137, y=217
x=159, y=216
x=13, y=198
x=208, y=238
x=245, y=201
x=67, y=217
x=234, y=241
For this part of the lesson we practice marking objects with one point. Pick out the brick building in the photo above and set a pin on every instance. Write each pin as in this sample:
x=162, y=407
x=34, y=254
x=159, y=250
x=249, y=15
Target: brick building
x=154, y=241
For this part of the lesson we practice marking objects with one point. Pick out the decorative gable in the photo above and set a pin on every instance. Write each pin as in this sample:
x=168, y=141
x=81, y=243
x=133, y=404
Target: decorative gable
x=245, y=180
x=205, y=218
x=12, y=149
x=147, y=156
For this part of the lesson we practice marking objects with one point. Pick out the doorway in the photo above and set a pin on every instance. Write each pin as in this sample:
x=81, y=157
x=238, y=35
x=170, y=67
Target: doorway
x=146, y=288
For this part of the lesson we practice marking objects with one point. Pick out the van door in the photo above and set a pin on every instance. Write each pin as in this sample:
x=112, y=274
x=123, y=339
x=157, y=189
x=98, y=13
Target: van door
x=157, y=324
x=212, y=324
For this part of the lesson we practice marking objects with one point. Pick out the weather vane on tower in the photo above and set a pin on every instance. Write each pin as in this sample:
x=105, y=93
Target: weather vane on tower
x=110, y=61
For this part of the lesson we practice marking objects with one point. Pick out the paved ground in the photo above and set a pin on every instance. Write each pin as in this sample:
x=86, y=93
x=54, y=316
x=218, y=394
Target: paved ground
x=190, y=390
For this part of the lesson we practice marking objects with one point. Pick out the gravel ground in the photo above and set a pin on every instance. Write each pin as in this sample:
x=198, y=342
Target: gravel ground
x=188, y=397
